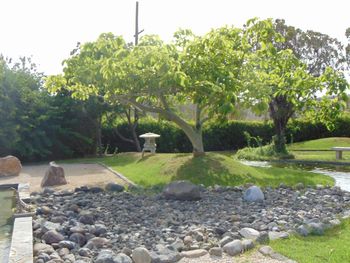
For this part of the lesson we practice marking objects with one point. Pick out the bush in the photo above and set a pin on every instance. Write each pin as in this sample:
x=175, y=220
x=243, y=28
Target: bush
x=228, y=136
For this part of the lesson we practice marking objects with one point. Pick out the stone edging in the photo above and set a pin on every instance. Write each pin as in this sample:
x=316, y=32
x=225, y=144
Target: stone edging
x=118, y=174
x=310, y=162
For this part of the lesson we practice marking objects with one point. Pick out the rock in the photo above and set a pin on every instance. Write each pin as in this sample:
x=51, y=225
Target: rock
x=225, y=240
x=86, y=217
x=247, y=244
x=141, y=255
x=100, y=229
x=105, y=256
x=95, y=189
x=266, y=250
x=47, y=226
x=127, y=251
x=54, y=176
x=188, y=240
x=234, y=247
x=10, y=166
x=273, y=235
x=52, y=236
x=113, y=187
x=182, y=190
x=45, y=257
x=216, y=251
x=194, y=253
x=253, y=194
x=78, y=238
x=63, y=251
x=249, y=233
x=97, y=242
x=299, y=186
x=316, y=228
x=122, y=258
x=66, y=244
x=84, y=252
x=42, y=248
x=263, y=238
x=303, y=231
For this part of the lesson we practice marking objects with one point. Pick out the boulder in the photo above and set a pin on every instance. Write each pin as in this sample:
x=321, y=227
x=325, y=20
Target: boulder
x=10, y=166
x=113, y=187
x=254, y=194
x=182, y=190
x=233, y=248
x=249, y=233
x=54, y=176
x=52, y=236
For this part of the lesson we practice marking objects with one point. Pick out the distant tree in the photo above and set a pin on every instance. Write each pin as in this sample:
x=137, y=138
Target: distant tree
x=317, y=50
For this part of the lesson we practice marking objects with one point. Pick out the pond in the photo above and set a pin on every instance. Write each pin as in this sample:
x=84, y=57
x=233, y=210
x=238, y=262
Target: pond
x=7, y=203
x=340, y=173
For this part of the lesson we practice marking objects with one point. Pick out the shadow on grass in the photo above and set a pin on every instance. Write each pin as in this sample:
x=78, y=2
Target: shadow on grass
x=206, y=170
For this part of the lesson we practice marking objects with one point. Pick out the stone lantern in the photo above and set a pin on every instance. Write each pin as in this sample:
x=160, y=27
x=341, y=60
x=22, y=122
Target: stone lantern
x=150, y=142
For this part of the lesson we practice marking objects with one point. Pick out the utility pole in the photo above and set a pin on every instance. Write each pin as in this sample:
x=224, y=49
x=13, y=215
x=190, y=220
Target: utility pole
x=137, y=32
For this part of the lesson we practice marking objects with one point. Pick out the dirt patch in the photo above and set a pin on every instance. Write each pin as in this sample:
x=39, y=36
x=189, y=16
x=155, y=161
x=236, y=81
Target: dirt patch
x=76, y=175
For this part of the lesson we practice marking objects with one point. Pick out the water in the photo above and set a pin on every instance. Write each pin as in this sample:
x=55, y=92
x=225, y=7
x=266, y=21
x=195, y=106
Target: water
x=7, y=203
x=340, y=173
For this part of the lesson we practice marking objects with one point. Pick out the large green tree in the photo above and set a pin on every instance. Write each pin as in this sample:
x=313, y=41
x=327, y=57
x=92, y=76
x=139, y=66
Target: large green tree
x=281, y=83
x=156, y=77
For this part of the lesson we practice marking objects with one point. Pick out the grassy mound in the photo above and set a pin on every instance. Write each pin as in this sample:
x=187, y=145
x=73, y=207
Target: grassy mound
x=321, y=144
x=333, y=247
x=211, y=169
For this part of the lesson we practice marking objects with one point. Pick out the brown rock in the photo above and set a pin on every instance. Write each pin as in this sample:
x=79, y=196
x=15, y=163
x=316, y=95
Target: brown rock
x=10, y=166
x=54, y=176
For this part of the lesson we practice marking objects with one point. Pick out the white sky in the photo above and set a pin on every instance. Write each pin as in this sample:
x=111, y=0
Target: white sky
x=48, y=30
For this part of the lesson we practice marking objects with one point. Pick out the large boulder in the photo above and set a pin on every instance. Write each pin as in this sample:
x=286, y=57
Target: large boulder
x=54, y=176
x=254, y=194
x=182, y=190
x=10, y=166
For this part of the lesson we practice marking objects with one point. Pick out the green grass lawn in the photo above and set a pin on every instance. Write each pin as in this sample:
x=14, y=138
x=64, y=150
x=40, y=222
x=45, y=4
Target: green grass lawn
x=320, y=149
x=333, y=247
x=211, y=169
x=321, y=144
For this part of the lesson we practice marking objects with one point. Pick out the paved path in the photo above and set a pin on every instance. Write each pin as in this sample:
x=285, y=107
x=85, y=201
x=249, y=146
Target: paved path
x=76, y=175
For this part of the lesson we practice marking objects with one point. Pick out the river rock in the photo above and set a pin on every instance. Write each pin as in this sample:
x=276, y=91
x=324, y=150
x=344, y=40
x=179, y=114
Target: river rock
x=233, y=248
x=182, y=190
x=122, y=258
x=78, y=238
x=97, y=242
x=10, y=166
x=42, y=248
x=141, y=255
x=253, y=194
x=52, y=236
x=249, y=233
x=54, y=176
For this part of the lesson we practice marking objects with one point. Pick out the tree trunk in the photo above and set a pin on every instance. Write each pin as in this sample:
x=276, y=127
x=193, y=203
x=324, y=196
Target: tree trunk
x=280, y=112
x=135, y=138
x=99, y=136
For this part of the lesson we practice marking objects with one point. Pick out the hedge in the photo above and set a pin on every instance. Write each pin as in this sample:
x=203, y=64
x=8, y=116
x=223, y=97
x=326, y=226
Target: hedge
x=222, y=136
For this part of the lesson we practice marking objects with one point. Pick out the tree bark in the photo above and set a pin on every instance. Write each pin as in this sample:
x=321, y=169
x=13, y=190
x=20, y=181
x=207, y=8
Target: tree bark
x=194, y=134
x=280, y=112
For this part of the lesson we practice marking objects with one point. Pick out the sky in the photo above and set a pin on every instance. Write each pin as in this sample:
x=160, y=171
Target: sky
x=47, y=30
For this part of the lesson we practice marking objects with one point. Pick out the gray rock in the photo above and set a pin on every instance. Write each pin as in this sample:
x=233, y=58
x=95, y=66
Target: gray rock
x=141, y=255
x=52, y=236
x=86, y=217
x=78, y=238
x=233, y=248
x=54, y=176
x=182, y=190
x=266, y=250
x=97, y=242
x=247, y=244
x=100, y=229
x=67, y=244
x=216, y=251
x=299, y=186
x=225, y=240
x=253, y=194
x=113, y=187
x=42, y=248
x=249, y=233
x=196, y=253
x=105, y=256
x=316, y=228
x=47, y=226
x=85, y=252
x=273, y=235
x=122, y=258
x=303, y=231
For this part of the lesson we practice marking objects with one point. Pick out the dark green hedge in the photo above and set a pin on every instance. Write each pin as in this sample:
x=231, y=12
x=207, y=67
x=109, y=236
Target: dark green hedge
x=223, y=136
